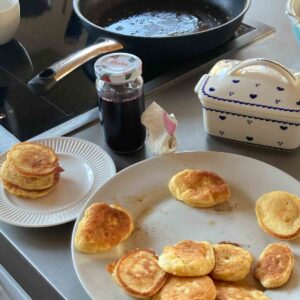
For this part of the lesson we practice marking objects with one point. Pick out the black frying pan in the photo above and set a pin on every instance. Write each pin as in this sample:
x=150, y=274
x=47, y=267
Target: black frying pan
x=152, y=29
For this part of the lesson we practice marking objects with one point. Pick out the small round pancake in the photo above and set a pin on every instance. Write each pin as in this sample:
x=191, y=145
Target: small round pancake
x=103, y=227
x=238, y=291
x=33, y=160
x=275, y=265
x=233, y=263
x=27, y=194
x=278, y=214
x=188, y=258
x=10, y=175
x=139, y=274
x=187, y=288
x=199, y=188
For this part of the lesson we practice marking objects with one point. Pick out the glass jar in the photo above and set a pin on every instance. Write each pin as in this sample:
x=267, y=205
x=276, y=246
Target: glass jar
x=121, y=100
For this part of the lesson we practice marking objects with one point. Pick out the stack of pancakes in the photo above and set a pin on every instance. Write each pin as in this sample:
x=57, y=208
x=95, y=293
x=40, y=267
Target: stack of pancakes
x=30, y=170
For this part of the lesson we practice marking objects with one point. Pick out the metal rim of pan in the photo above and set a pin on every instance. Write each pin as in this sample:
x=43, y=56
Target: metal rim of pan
x=83, y=18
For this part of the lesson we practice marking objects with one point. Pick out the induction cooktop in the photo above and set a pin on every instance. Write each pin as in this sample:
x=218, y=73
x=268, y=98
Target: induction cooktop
x=50, y=30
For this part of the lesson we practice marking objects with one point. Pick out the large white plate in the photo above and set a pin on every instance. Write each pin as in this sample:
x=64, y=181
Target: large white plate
x=161, y=220
x=86, y=167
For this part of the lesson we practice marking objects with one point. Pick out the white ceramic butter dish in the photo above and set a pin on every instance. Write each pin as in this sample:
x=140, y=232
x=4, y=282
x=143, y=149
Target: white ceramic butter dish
x=254, y=101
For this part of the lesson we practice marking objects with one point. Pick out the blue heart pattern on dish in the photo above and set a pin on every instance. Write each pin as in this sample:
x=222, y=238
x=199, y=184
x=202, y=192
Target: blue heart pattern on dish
x=211, y=89
x=253, y=96
x=298, y=103
x=222, y=117
x=283, y=127
x=249, y=138
x=235, y=81
x=280, y=89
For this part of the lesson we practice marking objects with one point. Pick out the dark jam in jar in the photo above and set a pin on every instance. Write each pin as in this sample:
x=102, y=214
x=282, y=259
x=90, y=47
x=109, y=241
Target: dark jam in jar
x=122, y=125
x=121, y=101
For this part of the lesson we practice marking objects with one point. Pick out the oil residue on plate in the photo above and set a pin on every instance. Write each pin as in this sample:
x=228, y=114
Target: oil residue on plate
x=161, y=18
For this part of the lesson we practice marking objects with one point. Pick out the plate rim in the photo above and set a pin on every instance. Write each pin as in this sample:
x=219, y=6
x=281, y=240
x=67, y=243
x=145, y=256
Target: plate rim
x=120, y=173
x=63, y=221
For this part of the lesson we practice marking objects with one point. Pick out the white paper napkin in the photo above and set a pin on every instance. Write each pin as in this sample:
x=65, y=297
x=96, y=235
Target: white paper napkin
x=161, y=128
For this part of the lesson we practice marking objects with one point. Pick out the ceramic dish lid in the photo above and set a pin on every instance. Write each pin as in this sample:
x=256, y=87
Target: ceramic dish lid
x=257, y=86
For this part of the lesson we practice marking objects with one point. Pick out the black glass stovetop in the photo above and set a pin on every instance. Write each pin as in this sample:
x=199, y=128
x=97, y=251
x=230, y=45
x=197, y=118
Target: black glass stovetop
x=49, y=31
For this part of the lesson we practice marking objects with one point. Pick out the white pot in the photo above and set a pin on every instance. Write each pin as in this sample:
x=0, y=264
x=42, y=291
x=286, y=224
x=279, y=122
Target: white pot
x=9, y=19
x=256, y=101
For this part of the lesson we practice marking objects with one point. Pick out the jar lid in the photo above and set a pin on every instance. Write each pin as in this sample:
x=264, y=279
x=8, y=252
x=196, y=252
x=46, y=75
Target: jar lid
x=118, y=67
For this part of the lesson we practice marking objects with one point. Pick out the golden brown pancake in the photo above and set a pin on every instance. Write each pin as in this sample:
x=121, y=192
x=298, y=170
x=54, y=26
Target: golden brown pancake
x=33, y=160
x=199, y=188
x=187, y=288
x=103, y=227
x=278, y=214
x=188, y=258
x=10, y=175
x=238, y=291
x=30, y=170
x=139, y=274
x=275, y=265
x=27, y=194
x=233, y=263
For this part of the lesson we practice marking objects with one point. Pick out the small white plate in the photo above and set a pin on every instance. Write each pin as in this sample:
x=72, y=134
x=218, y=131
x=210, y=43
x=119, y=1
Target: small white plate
x=86, y=167
x=161, y=220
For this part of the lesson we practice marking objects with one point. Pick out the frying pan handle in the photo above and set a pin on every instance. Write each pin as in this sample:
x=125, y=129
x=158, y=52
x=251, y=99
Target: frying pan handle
x=265, y=62
x=49, y=77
